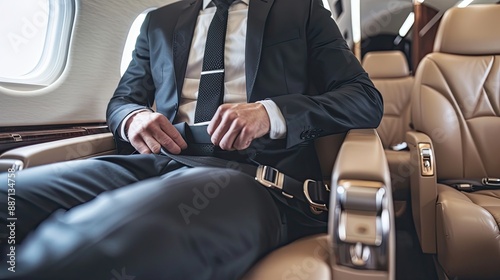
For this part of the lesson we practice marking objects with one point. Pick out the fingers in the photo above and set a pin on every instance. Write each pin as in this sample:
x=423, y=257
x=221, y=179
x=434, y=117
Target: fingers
x=215, y=122
x=243, y=140
x=140, y=146
x=226, y=134
x=235, y=126
x=152, y=144
x=137, y=127
x=149, y=131
x=239, y=136
x=218, y=128
x=174, y=141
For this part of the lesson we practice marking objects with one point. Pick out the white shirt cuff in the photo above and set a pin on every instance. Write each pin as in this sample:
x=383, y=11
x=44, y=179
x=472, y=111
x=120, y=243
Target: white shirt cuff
x=123, y=135
x=277, y=121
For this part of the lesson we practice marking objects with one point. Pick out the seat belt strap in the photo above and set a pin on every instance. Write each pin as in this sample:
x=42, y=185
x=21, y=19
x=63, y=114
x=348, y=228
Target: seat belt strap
x=314, y=193
x=470, y=185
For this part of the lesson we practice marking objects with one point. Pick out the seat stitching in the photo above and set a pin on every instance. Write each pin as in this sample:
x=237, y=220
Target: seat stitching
x=484, y=94
x=493, y=59
x=449, y=95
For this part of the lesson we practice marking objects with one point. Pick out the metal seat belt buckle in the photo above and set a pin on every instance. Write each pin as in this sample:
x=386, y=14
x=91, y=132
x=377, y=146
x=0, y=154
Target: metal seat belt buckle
x=270, y=177
x=315, y=207
x=491, y=182
x=464, y=187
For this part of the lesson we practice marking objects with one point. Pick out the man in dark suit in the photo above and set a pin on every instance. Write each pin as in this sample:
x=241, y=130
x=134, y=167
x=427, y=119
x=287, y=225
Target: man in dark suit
x=289, y=78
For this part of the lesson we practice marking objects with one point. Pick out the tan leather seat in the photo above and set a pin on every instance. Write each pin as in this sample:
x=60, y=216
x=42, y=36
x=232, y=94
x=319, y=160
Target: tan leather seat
x=456, y=107
x=390, y=73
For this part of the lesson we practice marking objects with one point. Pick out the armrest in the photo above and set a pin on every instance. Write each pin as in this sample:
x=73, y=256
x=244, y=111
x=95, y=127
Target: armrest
x=423, y=188
x=57, y=151
x=362, y=157
x=361, y=225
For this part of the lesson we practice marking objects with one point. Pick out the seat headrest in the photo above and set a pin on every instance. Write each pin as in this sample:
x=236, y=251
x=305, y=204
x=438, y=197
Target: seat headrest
x=386, y=64
x=473, y=30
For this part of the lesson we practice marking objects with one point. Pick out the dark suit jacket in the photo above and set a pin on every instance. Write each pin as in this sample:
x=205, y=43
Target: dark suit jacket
x=295, y=55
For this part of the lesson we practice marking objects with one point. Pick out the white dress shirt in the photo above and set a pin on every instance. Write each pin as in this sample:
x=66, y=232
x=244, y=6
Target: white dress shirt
x=234, y=68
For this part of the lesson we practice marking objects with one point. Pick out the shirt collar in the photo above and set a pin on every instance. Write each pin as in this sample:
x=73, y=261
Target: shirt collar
x=208, y=2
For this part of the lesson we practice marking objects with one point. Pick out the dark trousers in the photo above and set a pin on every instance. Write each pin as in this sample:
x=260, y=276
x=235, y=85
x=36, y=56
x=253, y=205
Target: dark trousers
x=142, y=216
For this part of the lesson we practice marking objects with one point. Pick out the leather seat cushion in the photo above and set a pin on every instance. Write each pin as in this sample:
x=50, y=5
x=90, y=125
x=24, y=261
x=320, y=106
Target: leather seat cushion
x=306, y=258
x=468, y=233
x=489, y=200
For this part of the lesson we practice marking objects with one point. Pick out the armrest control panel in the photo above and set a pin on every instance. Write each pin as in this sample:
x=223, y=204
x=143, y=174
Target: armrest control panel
x=362, y=235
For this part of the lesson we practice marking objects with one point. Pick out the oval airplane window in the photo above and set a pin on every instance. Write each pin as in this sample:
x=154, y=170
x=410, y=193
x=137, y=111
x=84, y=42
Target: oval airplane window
x=134, y=31
x=34, y=40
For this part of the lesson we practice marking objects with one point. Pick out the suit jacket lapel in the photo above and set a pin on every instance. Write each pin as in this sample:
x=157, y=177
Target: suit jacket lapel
x=183, y=36
x=257, y=15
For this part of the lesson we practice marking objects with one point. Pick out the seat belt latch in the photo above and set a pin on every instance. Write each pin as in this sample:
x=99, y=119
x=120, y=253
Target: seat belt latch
x=316, y=207
x=492, y=182
x=270, y=177
x=464, y=187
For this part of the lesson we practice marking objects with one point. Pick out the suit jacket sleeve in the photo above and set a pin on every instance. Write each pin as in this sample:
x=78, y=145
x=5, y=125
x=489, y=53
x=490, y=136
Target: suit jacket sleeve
x=347, y=98
x=136, y=89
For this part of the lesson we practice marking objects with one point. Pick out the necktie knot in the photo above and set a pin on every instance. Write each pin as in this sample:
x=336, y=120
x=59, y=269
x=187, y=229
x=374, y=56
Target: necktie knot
x=223, y=4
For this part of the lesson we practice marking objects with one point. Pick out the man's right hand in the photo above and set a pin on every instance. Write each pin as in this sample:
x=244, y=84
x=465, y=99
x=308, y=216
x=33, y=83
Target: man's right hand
x=149, y=131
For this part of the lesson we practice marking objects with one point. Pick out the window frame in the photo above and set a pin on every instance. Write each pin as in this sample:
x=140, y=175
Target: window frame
x=61, y=21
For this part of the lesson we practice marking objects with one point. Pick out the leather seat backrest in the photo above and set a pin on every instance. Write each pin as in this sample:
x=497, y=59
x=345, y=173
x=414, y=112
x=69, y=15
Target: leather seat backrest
x=390, y=73
x=456, y=98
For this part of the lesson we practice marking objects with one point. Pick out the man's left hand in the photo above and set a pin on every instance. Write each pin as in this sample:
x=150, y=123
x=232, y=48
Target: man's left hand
x=234, y=126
